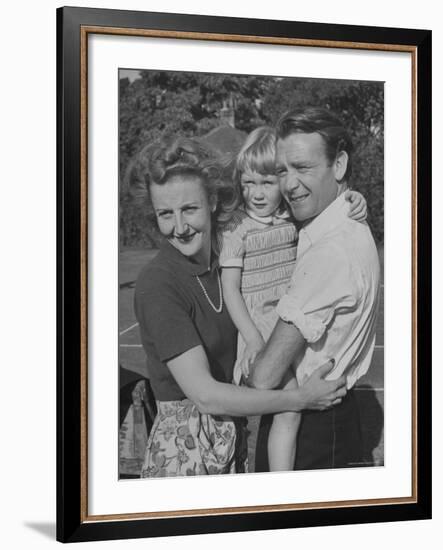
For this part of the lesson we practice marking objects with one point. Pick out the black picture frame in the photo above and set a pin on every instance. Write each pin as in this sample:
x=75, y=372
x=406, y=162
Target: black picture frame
x=73, y=523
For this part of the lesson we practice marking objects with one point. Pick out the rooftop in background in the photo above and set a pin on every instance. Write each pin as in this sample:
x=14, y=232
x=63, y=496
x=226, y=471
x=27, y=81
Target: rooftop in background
x=225, y=139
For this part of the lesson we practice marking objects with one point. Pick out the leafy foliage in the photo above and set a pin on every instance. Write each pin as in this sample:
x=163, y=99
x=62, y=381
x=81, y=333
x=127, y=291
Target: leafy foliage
x=163, y=103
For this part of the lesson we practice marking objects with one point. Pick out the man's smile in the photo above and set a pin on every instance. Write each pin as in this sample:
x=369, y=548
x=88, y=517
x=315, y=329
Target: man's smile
x=299, y=198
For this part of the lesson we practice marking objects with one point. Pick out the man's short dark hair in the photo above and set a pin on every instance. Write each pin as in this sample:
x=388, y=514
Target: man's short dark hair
x=321, y=121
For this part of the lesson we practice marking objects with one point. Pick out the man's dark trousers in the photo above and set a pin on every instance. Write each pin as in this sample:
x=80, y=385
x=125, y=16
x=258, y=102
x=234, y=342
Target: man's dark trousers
x=326, y=439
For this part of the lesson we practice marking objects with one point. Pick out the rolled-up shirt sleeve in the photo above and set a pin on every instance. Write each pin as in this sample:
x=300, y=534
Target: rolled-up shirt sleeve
x=323, y=285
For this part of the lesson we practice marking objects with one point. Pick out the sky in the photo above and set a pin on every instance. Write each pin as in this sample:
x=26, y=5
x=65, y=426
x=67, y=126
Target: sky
x=132, y=74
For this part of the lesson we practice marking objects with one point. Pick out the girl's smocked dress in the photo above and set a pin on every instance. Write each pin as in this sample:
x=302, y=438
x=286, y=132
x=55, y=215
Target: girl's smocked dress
x=265, y=250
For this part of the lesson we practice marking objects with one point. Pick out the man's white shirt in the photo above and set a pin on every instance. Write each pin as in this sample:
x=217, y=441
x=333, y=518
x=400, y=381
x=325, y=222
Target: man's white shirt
x=333, y=294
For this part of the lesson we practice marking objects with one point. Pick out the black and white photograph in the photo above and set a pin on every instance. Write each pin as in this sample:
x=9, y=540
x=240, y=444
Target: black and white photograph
x=241, y=229
x=250, y=272
x=217, y=259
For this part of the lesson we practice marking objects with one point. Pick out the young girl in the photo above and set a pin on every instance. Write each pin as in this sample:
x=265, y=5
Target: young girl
x=257, y=257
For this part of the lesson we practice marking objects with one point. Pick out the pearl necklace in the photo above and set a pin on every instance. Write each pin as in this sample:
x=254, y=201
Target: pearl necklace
x=220, y=295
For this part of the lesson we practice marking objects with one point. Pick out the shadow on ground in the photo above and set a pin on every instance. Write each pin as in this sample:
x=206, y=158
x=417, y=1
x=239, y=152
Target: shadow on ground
x=46, y=529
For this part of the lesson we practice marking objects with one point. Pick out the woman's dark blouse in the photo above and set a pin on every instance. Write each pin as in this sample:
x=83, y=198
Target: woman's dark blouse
x=175, y=316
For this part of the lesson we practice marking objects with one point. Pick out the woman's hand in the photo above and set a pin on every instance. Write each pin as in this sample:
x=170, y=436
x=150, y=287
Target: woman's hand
x=318, y=393
x=253, y=348
x=358, y=210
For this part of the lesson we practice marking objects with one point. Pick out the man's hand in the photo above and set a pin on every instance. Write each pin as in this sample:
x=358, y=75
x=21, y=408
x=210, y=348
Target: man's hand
x=320, y=394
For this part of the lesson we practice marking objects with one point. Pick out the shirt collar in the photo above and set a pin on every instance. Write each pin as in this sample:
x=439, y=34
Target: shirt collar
x=174, y=256
x=331, y=217
x=280, y=214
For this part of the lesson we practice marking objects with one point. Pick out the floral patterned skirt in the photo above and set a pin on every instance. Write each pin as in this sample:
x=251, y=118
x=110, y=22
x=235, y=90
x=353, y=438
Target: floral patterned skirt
x=185, y=442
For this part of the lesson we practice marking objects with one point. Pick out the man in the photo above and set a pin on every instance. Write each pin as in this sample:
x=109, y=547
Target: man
x=329, y=310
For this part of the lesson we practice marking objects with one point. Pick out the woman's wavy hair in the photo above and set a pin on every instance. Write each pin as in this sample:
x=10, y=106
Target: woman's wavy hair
x=321, y=121
x=157, y=163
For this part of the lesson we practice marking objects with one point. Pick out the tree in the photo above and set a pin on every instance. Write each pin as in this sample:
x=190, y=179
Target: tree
x=164, y=103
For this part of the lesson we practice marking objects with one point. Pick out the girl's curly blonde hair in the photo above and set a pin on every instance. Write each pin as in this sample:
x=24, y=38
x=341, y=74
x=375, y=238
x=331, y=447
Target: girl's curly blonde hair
x=257, y=153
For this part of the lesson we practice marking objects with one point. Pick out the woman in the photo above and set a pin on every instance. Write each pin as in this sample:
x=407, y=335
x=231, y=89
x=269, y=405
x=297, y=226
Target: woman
x=187, y=334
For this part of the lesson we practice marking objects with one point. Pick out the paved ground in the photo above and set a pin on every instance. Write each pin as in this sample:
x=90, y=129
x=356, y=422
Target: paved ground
x=370, y=389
